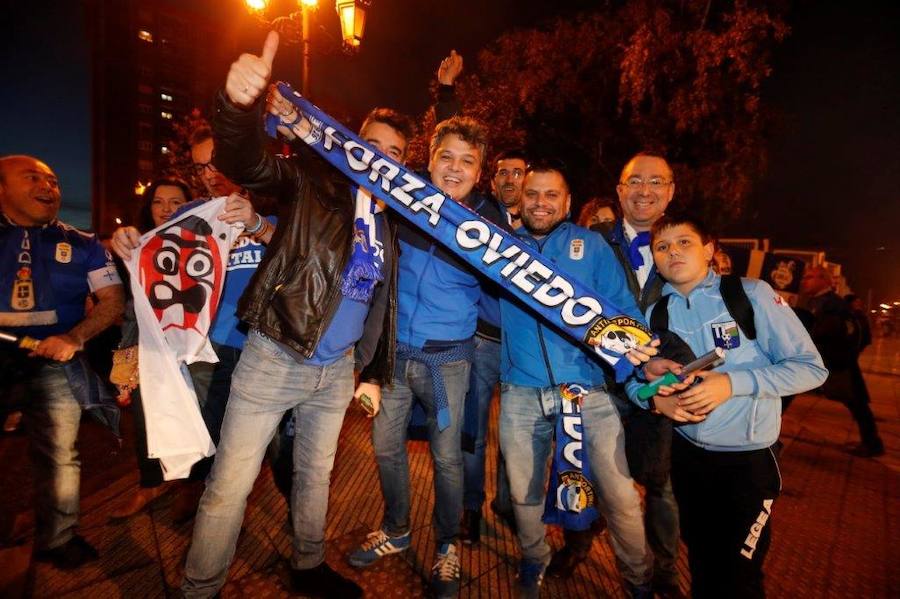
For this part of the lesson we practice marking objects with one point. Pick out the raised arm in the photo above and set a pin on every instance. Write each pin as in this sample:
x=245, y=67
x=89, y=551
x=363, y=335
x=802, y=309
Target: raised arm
x=237, y=126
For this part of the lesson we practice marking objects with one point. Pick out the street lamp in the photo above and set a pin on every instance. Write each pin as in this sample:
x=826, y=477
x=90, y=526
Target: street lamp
x=294, y=28
x=352, y=14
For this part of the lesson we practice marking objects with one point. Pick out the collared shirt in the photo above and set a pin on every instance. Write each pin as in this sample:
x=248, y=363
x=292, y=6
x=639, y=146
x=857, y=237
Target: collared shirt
x=46, y=274
x=642, y=273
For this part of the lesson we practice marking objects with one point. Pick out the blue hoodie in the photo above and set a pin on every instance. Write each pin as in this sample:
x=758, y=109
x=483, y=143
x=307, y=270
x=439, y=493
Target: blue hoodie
x=535, y=355
x=782, y=360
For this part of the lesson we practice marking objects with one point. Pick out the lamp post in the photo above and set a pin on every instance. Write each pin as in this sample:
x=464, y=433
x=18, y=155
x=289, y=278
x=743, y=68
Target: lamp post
x=294, y=28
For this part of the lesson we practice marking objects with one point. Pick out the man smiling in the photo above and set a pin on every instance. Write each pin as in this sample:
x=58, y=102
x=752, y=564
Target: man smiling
x=437, y=310
x=539, y=368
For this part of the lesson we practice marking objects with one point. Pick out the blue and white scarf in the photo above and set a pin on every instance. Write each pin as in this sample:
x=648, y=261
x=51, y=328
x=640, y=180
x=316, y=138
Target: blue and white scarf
x=571, y=495
x=363, y=270
x=557, y=296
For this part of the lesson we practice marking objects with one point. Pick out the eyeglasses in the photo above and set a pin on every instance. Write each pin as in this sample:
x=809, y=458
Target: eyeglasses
x=654, y=183
x=515, y=173
x=199, y=167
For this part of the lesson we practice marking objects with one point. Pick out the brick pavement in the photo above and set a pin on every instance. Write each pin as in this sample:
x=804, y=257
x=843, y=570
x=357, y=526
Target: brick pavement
x=835, y=526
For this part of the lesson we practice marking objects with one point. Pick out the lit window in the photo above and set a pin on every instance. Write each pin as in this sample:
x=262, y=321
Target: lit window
x=165, y=97
x=164, y=149
x=166, y=115
x=145, y=36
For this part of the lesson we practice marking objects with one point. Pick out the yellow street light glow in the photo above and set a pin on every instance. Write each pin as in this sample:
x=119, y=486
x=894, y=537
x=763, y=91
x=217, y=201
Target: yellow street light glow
x=308, y=3
x=257, y=4
x=352, y=14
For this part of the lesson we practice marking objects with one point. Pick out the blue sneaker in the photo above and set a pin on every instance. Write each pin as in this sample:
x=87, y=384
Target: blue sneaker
x=529, y=579
x=445, y=572
x=377, y=545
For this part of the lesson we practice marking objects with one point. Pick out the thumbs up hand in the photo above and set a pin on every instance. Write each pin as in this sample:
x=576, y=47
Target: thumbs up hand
x=249, y=75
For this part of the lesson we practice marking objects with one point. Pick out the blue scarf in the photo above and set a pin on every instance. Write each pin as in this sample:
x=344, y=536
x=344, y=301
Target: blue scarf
x=363, y=270
x=570, y=495
x=539, y=283
x=640, y=240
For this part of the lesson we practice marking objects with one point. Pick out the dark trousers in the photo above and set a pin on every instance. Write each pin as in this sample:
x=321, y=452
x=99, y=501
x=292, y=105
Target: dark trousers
x=151, y=471
x=847, y=386
x=212, y=383
x=725, y=502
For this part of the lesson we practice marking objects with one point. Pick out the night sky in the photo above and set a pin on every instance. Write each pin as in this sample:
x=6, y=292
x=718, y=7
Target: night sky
x=834, y=160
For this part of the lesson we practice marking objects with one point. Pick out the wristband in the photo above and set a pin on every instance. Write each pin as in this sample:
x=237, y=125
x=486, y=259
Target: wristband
x=256, y=227
x=262, y=231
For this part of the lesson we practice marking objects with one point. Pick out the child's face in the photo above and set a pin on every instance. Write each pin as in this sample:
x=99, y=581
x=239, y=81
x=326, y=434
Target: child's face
x=681, y=256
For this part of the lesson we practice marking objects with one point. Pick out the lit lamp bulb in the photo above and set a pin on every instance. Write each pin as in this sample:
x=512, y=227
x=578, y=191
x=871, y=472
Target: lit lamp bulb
x=259, y=5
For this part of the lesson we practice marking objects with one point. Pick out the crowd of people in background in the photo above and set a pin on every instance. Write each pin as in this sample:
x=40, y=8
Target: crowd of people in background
x=300, y=333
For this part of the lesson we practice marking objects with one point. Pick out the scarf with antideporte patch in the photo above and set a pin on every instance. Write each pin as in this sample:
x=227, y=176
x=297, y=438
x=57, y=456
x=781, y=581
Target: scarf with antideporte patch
x=570, y=495
x=557, y=296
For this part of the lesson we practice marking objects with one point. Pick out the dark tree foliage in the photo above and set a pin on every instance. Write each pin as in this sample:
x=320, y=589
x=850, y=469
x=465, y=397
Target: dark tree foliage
x=678, y=77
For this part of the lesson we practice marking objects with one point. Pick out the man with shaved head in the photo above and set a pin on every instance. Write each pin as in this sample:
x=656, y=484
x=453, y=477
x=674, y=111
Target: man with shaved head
x=48, y=269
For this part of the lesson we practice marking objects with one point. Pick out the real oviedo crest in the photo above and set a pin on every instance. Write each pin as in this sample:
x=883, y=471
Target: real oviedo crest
x=726, y=335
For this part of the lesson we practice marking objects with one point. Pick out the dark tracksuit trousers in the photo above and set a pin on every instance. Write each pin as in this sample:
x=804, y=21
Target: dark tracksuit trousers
x=725, y=502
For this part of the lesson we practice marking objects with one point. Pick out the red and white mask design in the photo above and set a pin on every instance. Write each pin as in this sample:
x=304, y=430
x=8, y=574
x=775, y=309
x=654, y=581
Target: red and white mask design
x=182, y=274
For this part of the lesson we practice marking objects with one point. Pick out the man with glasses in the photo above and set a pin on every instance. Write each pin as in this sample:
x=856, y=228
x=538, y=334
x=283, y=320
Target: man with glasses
x=212, y=382
x=646, y=187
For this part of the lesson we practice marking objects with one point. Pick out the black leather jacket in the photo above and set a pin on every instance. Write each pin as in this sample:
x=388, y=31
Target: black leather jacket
x=295, y=291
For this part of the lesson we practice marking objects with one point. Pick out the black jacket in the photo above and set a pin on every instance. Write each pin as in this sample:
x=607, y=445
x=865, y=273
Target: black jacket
x=295, y=291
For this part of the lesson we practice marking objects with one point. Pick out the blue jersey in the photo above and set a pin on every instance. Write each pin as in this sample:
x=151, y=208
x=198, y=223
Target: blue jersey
x=243, y=259
x=46, y=274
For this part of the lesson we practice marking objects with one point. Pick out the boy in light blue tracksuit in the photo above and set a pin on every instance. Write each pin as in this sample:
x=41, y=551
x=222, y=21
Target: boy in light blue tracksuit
x=724, y=473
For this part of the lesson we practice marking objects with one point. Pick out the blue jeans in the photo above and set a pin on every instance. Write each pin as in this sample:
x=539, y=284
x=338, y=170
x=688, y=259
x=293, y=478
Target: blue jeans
x=267, y=382
x=484, y=377
x=411, y=381
x=527, y=423
x=52, y=416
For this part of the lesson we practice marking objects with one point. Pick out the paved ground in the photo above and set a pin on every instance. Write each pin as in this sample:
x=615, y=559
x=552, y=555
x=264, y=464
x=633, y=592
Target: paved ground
x=836, y=530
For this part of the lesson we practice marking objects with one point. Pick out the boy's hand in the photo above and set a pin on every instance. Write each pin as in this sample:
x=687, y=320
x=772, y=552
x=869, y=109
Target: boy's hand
x=658, y=367
x=668, y=406
x=708, y=395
